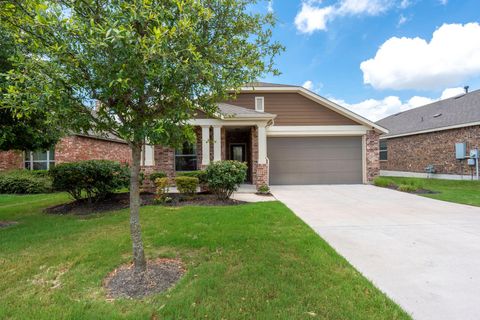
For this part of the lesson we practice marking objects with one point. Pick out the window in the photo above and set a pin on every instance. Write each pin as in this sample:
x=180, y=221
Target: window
x=383, y=150
x=40, y=160
x=186, y=158
x=259, y=104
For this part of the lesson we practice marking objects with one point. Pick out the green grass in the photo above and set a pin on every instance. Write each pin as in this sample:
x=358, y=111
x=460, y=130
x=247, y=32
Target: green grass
x=256, y=261
x=465, y=191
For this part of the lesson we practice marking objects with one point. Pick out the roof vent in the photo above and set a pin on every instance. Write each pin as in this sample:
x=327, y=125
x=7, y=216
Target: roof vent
x=437, y=115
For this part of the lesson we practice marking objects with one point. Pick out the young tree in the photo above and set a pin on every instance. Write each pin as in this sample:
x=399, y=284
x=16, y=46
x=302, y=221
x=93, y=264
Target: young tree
x=150, y=65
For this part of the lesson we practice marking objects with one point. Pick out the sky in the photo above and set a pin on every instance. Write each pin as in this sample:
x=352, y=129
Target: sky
x=378, y=57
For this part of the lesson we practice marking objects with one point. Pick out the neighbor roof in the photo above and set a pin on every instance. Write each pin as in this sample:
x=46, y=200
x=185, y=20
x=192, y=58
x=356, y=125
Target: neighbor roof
x=229, y=110
x=459, y=111
x=267, y=84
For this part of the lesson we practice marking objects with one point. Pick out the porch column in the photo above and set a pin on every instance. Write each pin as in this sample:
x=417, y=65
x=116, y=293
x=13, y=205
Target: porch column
x=205, y=145
x=217, y=143
x=262, y=144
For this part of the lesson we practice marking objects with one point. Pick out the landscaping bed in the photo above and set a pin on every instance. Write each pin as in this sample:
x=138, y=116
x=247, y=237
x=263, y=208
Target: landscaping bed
x=118, y=201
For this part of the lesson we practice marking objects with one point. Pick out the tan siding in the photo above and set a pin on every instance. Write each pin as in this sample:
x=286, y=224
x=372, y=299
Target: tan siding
x=293, y=109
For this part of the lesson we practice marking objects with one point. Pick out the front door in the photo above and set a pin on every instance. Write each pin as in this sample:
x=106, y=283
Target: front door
x=238, y=152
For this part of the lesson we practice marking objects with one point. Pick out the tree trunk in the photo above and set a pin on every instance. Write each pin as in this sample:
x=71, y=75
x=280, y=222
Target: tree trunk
x=135, y=229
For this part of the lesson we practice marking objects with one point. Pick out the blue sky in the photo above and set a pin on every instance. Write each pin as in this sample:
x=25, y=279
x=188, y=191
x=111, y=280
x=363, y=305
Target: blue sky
x=403, y=67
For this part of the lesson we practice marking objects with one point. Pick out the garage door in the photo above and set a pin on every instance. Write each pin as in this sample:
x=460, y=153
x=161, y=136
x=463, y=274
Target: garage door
x=315, y=160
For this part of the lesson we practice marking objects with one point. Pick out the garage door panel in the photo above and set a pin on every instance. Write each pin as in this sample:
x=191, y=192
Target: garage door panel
x=315, y=160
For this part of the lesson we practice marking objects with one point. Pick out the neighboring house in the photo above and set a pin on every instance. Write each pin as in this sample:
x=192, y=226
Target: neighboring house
x=426, y=136
x=68, y=149
x=286, y=135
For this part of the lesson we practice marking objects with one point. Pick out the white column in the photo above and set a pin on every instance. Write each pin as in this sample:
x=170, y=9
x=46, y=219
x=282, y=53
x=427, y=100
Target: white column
x=217, y=143
x=205, y=145
x=262, y=144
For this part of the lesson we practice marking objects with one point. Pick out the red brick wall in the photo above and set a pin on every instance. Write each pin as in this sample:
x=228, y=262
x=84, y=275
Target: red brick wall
x=79, y=148
x=10, y=160
x=414, y=153
x=372, y=155
x=259, y=171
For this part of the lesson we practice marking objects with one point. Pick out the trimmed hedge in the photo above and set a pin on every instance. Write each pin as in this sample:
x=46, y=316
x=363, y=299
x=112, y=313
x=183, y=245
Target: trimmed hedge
x=157, y=175
x=92, y=179
x=25, y=182
x=201, y=175
x=187, y=185
x=224, y=177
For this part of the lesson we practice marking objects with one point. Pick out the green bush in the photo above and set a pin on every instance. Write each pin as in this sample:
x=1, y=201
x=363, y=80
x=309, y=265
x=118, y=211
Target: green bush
x=383, y=182
x=25, y=182
x=224, y=177
x=162, y=185
x=264, y=189
x=92, y=179
x=157, y=175
x=200, y=174
x=407, y=188
x=187, y=185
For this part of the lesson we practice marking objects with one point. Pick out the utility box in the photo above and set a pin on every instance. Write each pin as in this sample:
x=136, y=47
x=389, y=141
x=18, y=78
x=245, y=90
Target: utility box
x=474, y=153
x=460, y=151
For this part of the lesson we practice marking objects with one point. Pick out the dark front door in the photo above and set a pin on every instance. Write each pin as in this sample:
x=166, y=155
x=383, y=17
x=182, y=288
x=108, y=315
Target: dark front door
x=238, y=152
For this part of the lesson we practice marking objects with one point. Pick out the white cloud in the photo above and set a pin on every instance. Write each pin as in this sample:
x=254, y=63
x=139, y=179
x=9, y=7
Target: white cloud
x=405, y=4
x=452, y=92
x=270, y=6
x=375, y=110
x=312, y=17
x=451, y=56
x=443, y=2
x=402, y=20
x=310, y=85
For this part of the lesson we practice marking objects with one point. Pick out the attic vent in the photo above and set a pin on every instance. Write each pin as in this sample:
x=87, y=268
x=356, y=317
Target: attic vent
x=437, y=115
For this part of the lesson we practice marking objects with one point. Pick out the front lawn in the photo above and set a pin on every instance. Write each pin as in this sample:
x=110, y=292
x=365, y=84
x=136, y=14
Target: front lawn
x=255, y=261
x=464, y=191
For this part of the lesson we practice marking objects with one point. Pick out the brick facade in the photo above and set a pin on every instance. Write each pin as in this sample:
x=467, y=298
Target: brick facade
x=10, y=160
x=79, y=148
x=372, y=161
x=74, y=148
x=259, y=171
x=414, y=153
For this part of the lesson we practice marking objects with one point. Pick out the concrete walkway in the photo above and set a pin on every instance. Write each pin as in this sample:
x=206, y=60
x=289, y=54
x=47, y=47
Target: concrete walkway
x=423, y=253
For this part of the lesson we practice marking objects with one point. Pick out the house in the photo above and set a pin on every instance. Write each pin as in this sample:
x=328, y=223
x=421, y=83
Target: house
x=69, y=149
x=286, y=134
x=426, y=137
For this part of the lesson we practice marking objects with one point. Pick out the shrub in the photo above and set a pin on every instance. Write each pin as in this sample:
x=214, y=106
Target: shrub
x=407, y=188
x=92, y=179
x=162, y=185
x=156, y=175
x=224, y=177
x=264, y=189
x=187, y=185
x=200, y=174
x=383, y=182
x=25, y=182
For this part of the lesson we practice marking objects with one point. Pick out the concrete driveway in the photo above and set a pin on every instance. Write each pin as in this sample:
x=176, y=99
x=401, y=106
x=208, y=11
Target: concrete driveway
x=423, y=253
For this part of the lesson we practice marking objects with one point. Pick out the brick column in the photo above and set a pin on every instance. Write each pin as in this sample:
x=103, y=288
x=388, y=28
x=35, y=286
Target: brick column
x=372, y=155
x=259, y=171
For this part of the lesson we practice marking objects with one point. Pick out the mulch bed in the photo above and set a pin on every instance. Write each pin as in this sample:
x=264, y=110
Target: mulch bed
x=4, y=224
x=120, y=201
x=418, y=191
x=160, y=275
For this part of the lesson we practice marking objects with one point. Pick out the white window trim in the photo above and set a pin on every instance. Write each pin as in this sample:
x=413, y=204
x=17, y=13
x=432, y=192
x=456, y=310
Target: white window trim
x=260, y=104
x=31, y=161
x=175, y=155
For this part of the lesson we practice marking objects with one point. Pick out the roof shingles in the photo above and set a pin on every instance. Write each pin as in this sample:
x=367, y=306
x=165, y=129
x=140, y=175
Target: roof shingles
x=459, y=110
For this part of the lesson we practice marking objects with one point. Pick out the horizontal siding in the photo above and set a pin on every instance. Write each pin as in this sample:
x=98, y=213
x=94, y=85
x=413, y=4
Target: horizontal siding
x=293, y=109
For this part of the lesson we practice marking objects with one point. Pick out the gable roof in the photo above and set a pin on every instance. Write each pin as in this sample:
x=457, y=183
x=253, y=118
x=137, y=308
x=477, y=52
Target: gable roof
x=271, y=87
x=455, y=112
x=226, y=111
